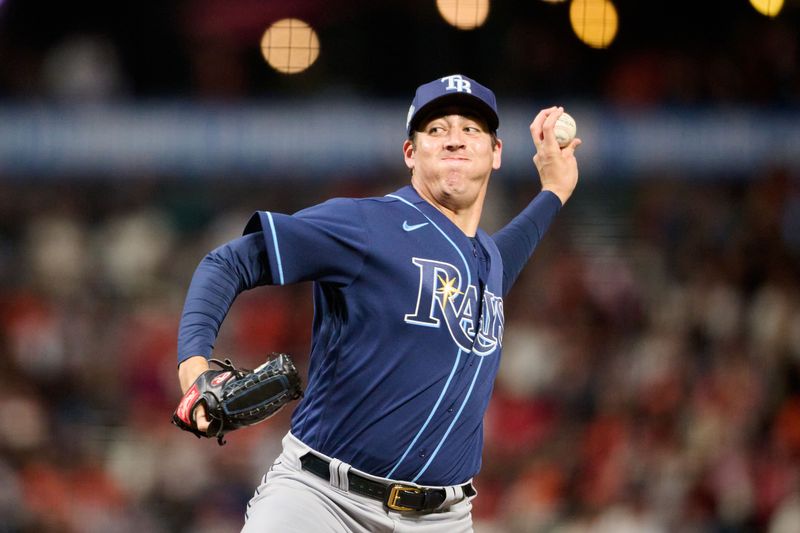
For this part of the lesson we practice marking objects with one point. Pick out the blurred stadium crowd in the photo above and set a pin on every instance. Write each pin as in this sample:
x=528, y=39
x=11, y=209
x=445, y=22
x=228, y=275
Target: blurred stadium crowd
x=651, y=374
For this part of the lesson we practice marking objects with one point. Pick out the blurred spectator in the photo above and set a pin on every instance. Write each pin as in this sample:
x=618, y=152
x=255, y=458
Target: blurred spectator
x=83, y=68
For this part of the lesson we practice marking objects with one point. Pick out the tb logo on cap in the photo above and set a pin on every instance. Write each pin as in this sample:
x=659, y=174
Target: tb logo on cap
x=457, y=83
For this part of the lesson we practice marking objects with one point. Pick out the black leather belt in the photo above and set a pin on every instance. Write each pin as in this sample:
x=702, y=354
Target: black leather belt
x=395, y=496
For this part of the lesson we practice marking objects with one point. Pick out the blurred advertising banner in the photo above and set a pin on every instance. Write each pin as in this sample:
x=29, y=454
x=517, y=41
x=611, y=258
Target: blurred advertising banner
x=308, y=140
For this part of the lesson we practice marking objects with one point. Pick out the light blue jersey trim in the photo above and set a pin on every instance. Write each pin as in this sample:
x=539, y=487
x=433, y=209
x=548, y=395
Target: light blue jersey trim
x=455, y=365
x=453, y=423
x=275, y=245
x=430, y=416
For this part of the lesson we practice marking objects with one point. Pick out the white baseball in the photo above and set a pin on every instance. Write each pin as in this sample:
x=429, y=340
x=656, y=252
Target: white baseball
x=565, y=129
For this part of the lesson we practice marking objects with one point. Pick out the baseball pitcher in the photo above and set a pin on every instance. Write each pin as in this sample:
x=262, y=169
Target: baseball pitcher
x=407, y=331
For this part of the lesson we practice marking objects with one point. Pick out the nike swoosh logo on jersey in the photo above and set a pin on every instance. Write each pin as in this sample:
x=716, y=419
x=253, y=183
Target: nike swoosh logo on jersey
x=407, y=227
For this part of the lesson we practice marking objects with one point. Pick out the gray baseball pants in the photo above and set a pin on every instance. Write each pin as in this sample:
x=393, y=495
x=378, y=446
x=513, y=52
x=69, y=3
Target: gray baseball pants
x=290, y=499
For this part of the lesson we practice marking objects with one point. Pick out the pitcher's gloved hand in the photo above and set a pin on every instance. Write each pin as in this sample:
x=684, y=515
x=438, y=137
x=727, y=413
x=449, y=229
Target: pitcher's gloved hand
x=235, y=397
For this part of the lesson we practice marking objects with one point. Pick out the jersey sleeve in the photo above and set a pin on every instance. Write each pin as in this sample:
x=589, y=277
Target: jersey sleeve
x=222, y=274
x=327, y=242
x=517, y=240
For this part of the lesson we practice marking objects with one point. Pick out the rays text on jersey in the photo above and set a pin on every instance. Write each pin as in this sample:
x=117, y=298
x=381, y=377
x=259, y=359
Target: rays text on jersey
x=442, y=297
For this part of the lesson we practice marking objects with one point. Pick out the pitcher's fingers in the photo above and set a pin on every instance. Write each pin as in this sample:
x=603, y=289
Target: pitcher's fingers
x=569, y=149
x=200, y=417
x=549, y=141
x=536, y=126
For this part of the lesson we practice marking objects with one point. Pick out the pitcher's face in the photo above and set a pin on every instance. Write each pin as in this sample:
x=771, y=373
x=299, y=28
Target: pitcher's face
x=452, y=157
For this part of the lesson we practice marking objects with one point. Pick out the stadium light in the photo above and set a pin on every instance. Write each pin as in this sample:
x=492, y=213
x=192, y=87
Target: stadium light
x=290, y=46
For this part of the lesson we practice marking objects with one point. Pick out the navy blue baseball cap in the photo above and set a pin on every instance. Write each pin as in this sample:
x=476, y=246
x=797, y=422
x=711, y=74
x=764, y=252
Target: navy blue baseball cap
x=455, y=89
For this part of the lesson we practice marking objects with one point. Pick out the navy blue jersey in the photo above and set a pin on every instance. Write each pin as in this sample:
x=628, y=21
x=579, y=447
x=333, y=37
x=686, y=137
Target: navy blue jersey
x=407, y=330
x=406, y=336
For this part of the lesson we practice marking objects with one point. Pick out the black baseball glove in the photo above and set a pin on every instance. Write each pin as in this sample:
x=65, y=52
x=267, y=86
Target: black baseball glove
x=236, y=397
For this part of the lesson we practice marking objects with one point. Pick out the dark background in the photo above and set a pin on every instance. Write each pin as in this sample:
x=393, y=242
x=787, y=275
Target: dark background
x=651, y=371
x=725, y=51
